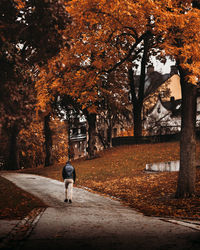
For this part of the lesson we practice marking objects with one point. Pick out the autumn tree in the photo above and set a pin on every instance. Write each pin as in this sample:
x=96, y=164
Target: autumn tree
x=31, y=144
x=115, y=105
x=114, y=38
x=109, y=36
x=16, y=98
x=98, y=43
x=93, y=49
x=67, y=78
x=68, y=110
x=29, y=35
x=175, y=22
x=172, y=23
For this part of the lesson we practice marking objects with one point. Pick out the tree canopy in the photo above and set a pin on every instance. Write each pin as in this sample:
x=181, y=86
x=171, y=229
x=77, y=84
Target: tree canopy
x=104, y=35
x=30, y=34
x=79, y=48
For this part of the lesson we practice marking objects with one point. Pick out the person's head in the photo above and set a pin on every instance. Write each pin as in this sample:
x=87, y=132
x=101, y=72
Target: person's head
x=68, y=162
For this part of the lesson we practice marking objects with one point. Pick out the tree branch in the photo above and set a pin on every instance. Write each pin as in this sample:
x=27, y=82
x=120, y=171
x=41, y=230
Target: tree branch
x=142, y=37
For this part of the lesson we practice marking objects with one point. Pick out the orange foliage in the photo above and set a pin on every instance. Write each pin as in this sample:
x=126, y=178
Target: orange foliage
x=60, y=140
x=152, y=194
x=92, y=43
x=120, y=173
x=20, y=3
x=31, y=141
x=90, y=50
x=179, y=25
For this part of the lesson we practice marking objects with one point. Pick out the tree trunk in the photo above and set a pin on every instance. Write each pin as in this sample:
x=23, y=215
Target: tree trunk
x=109, y=136
x=13, y=156
x=187, y=173
x=48, y=141
x=91, y=149
x=70, y=144
x=137, y=100
x=109, y=129
x=137, y=120
x=137, y=106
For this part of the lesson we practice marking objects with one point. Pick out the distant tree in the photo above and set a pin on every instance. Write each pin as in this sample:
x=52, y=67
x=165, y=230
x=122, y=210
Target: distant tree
x=68, y=110
x=114, y=105
x=48, y=140
x=31, y=144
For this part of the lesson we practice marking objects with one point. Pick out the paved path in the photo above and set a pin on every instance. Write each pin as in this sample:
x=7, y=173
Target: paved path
x=95, y=222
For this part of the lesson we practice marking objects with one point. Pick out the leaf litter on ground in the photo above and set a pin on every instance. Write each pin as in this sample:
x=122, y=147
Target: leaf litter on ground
x=120, y=172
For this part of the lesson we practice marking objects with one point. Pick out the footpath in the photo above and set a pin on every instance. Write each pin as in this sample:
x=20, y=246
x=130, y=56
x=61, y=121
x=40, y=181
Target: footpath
x=90, y=222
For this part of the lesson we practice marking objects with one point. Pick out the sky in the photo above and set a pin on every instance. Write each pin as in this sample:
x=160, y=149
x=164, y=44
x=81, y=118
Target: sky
x=163, y=68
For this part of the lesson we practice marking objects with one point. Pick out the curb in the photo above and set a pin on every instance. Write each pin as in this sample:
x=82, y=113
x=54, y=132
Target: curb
x=22, y=230
x=191, y=224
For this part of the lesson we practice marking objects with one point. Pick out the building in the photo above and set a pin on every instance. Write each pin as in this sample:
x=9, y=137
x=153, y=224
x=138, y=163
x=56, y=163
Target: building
x=78, y=137
x=154, y=80
x=165, y=117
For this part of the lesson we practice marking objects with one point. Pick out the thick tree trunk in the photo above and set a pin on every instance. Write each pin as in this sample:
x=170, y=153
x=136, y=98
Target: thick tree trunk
x=137, y=106
x=13, y=156
x=187, y=173
x=137, y=100
x=91, y=149
x=137, y=120
x=48, y=141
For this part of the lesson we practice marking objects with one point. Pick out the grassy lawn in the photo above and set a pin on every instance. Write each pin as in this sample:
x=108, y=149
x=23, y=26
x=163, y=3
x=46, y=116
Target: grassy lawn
x=119, y=172
x=14, y=202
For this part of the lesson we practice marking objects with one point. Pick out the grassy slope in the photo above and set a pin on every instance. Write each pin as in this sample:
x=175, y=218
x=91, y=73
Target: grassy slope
x=14, y=202
x=120, y=172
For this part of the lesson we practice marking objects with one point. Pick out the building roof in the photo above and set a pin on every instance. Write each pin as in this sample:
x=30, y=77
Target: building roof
x=173, y=105
x=154, y=79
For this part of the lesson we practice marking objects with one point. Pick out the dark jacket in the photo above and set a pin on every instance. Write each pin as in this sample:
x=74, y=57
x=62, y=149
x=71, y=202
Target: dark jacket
x=69, y=172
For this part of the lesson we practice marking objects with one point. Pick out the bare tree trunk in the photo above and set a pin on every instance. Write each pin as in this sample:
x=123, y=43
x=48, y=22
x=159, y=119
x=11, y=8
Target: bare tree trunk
x=70, y=144
x=48, y=141
x=109, y=129
x=91, y=149
x=109, y=136
x=137, y=120
x=187, y=173
x=137, y=106
x=13, y=156
x=137, y=100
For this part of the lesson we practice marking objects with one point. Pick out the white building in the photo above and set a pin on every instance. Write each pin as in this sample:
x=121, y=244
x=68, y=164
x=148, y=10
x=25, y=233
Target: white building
x=165, y=117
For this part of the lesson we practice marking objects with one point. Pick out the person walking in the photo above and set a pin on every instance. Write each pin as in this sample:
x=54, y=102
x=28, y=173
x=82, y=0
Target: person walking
x=69, y=177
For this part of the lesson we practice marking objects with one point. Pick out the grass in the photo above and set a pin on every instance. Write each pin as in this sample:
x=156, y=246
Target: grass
x=119, y=172
x=14, y=202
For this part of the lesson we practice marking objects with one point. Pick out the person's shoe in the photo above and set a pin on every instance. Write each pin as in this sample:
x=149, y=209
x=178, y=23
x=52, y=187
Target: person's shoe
x=70, y=201
x=66, y=200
